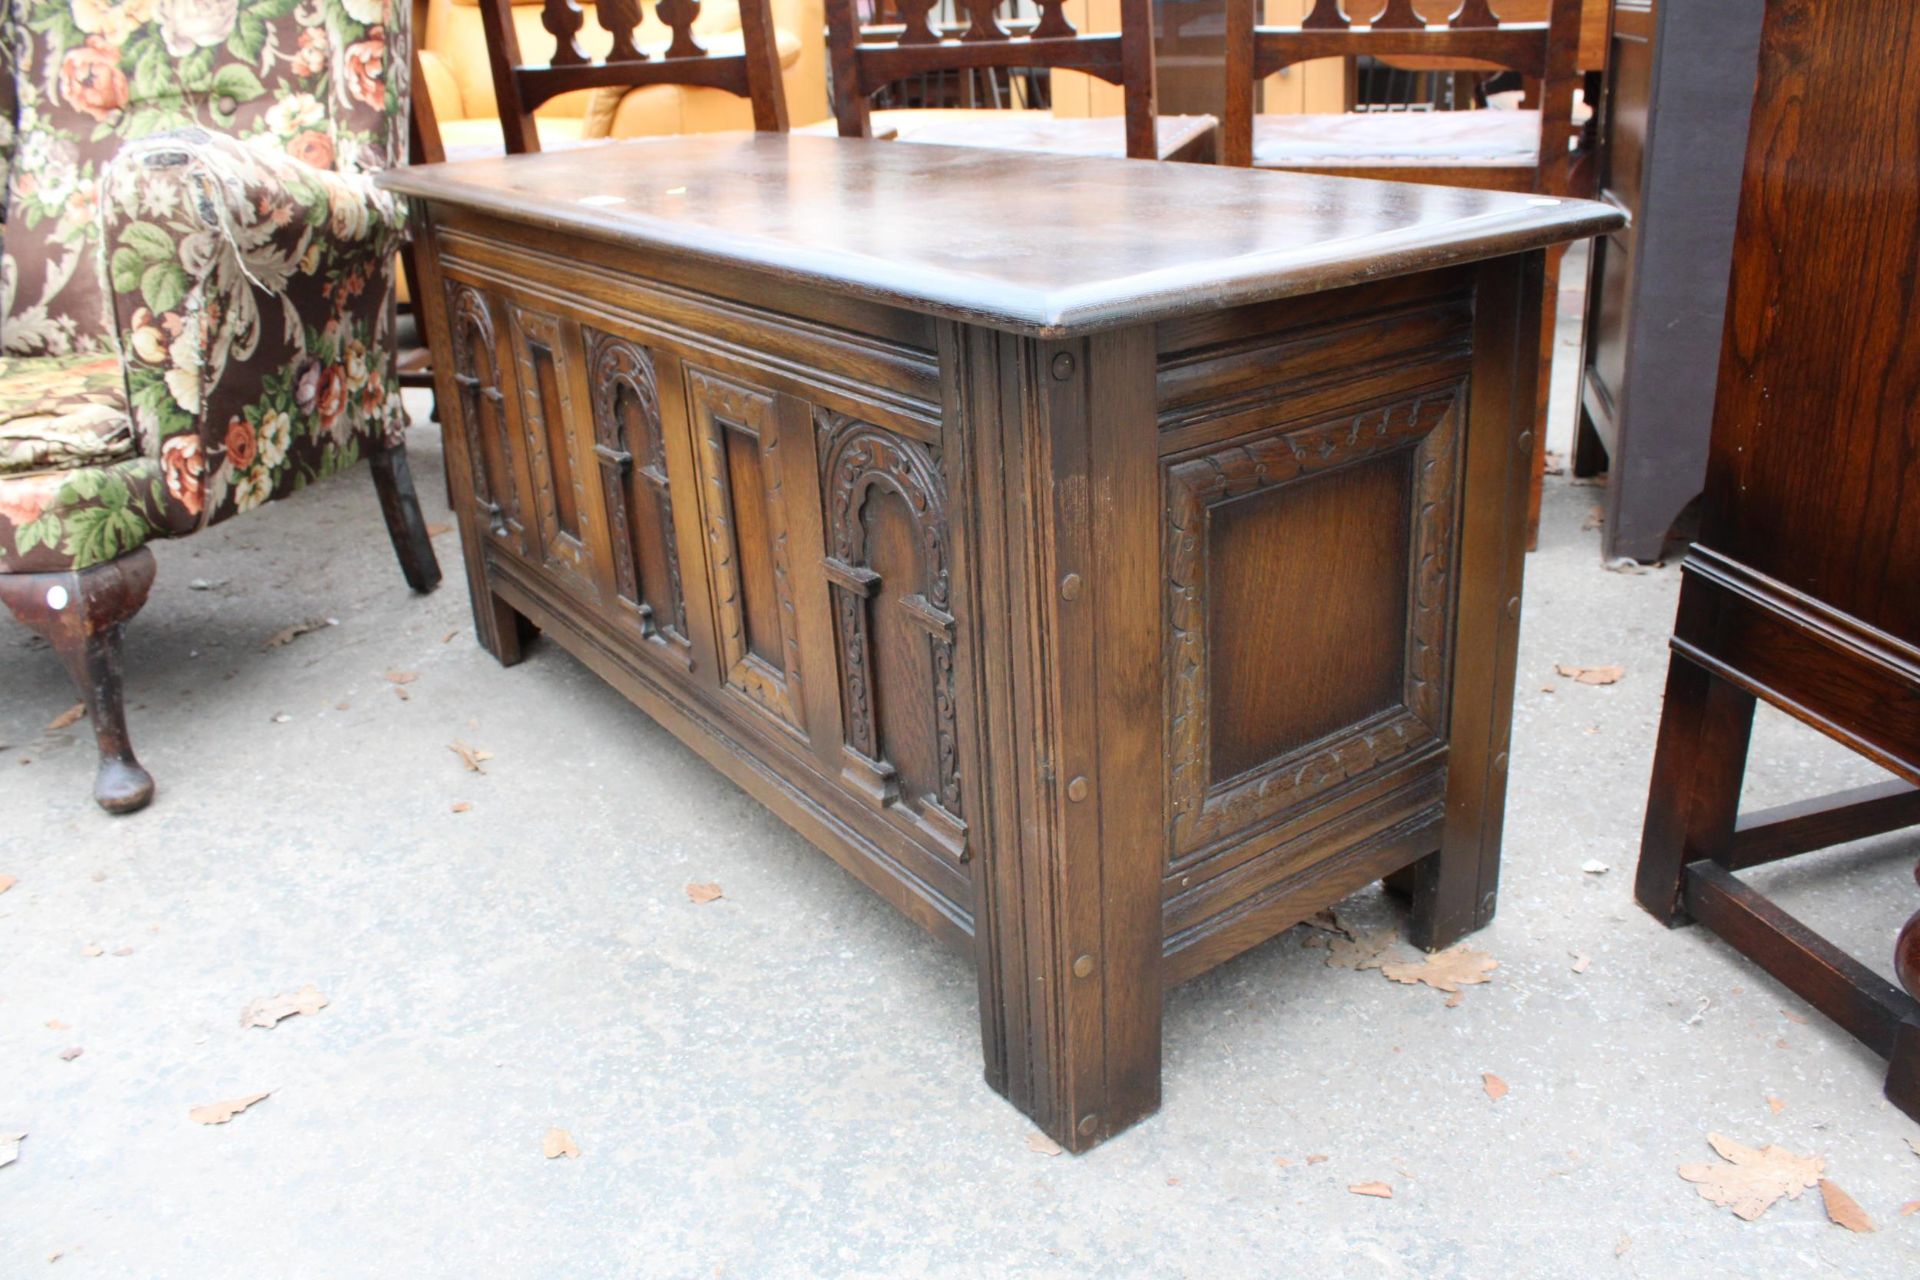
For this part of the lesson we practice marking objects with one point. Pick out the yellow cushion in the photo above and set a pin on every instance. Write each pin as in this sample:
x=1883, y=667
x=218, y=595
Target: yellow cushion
x=473, y=139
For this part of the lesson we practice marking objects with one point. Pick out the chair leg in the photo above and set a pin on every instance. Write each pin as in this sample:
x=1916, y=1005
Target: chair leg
x=1693, y=800
x=82, y=615
x=405, y=525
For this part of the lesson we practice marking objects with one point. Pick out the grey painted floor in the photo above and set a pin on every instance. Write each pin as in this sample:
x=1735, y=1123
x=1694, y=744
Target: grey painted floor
x=786, y=1082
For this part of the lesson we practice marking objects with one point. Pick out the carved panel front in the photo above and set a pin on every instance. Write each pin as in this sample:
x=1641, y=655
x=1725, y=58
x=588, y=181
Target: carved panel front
x=1309, y=605
x=888, y=569
x=547, y=416
x=630, y=443
x=736, y=440
x=483, y=415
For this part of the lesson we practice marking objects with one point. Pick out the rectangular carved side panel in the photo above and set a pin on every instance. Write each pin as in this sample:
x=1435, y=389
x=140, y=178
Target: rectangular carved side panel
x=887, y=565
x=1309, y=607
x=630, y=444
x=547, y=417
x=736, y=446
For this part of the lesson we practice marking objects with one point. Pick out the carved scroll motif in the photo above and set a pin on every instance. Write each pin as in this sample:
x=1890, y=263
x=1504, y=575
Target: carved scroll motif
x=622, y=374
x=859, y=458
x=1205, y=811
x=483, y=416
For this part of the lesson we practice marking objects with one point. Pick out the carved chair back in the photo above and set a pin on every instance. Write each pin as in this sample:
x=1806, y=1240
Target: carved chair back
x=1471, y=35
x=520, y=86
x=866, y=58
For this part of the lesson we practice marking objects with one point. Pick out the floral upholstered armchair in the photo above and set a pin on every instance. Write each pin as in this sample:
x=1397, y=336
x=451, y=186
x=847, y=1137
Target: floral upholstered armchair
x=195, y=296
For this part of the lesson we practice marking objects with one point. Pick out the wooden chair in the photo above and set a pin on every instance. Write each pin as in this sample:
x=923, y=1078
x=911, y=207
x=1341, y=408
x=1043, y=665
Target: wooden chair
x=866, y=59
x=1801, y=589
x=519, y=87
x=1525, y=150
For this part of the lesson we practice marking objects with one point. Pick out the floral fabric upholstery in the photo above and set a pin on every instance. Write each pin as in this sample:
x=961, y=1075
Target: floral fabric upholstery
x=62, y=411
x=191, y=193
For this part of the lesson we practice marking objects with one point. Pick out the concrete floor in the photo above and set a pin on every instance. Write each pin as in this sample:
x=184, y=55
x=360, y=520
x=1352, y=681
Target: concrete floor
x=786, y=1082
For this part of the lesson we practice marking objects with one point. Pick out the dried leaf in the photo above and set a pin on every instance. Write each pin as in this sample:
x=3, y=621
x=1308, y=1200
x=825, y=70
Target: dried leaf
x=558, y=1142
x=448, y=638
x=1749, y=1181
x=1908, y=1209
x=1591, y=675
x=268, y=1011
x=1451, y=969
x=1776, y=1105
x=123, y=951
x=67, y=717
x=1454, y=1000
x=68, y=1055
x=93, y=949
x=54, y=1024
x=1327, y=922
x=1580, y=961
x=461, y=806
x=402, y=694
x=1496, y=1087
x=435, y=530
x=1380, y=1189
x=1595, y=867
x=1843, y=1210
x=1596, y=516
x=282, y=638
x=10, y=1147
x=1316, y=1159
x=1621, y=1245
x=1282, y=1162
x=221, y=1112
x=1797, y=1019
x=7, y=882
x=704, y=893
x=1041, y=1144
x=1360, y=952
x=473, y=757
x=1915, y=1144
x=402, y=677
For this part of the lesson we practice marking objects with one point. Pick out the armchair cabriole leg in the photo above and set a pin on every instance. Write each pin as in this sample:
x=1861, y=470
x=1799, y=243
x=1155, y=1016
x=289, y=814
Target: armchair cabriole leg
x=405, y=525
x=81, y=614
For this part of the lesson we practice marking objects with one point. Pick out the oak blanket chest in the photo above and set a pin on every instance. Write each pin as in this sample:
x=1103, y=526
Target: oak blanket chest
x=1109, y=563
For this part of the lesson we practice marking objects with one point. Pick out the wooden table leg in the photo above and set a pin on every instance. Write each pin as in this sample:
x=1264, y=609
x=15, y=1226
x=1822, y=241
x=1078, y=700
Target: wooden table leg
x=1063, y=789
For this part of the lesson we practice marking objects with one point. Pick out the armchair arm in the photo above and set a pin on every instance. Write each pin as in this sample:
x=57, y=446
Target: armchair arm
x=250, y=293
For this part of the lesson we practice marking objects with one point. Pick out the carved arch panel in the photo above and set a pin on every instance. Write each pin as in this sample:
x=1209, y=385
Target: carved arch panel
x=1351, y=682
x=483, y=412
x=630, y=444
x=888, y=570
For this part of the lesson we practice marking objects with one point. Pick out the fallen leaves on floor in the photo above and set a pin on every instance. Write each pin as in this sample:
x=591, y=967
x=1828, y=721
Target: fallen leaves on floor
x=7, y=882
x=1379, y=1189
x=1595, y=867
x=69, y=716
x=10, y=1147
x=54, y=1024
x=268, y=1011
x=435, y=530
x=462, y=806
x=1496, y=1087
x=287, y=635
x=704, y=893
x=559, y=1142
x=1621, y=1245
x=1914, y=1143
x=1776, y=1105
x=1591, y=675
x=402, y=677
x=1596, y=517
x=68, y=1055
x=1797, y=1019
x=1041, y=1144
x=473, y=756
x=123, y=951
x=1366, y=952
x=1449, y=970
x=221, y=1112
x=93, y=949
x=1581, y=960
x=1750, y=1180
x=1317, y=1159
x=1843, y=1210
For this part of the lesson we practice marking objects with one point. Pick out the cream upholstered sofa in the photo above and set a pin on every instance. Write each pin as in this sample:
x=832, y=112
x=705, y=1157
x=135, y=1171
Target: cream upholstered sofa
x=459, y=82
